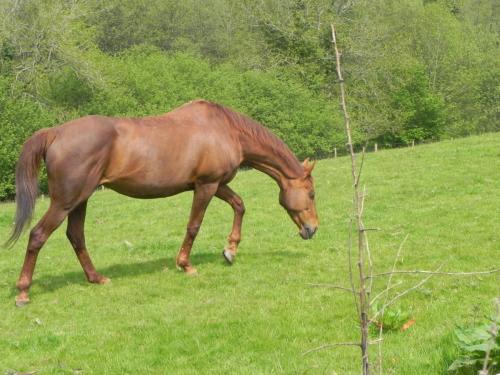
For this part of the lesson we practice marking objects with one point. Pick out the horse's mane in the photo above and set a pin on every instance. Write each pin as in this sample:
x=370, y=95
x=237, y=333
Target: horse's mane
x=260, y=134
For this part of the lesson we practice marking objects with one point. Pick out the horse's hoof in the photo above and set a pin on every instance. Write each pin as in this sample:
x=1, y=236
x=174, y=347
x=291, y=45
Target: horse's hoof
x=104, y=280
x=228, y=256
x=22, y=301
x=101, y=280
x=188, y=270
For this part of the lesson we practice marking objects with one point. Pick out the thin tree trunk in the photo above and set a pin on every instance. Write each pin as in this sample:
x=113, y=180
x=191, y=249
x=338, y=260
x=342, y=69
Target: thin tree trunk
x=358, y=211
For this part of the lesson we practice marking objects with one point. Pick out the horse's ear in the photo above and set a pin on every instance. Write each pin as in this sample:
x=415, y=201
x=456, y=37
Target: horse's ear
x=308, y=166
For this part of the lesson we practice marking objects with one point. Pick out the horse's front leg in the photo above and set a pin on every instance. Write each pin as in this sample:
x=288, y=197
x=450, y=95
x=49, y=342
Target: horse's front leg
x=225, y=193
x=203, y=193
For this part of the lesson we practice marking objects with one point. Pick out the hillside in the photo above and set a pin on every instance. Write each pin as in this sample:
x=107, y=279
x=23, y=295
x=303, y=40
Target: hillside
x=260, y=315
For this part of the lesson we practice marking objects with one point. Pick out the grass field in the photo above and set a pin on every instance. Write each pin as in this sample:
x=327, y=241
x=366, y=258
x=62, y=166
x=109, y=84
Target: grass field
x=260, y=315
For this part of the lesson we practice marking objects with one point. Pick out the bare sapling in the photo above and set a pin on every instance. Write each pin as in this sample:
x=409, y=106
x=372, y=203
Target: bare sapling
x=361, y=274
x=363, y=255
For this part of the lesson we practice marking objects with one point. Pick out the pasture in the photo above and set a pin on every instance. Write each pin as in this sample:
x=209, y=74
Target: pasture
x=259, y=315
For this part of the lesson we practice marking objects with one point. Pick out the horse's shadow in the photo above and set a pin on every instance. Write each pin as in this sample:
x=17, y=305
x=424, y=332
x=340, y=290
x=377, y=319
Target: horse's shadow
x=51, y=283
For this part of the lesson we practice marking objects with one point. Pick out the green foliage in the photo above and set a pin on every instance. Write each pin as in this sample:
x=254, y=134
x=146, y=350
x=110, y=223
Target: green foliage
x=19, y=118
x=391, y=320
x=389, y=41
x=65, y=88
x=418, y=112
x=415, y=70
x=177, y=26
x=473, y=343
x=145, y=81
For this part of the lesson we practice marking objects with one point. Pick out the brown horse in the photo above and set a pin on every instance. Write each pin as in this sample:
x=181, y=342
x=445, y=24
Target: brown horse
x=198, y=146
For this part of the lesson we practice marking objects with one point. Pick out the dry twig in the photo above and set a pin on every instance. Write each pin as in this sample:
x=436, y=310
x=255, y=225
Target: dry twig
x=386, y=292
x=325, y=346
x=416, y=272
x=331, y=286
x=399, y=295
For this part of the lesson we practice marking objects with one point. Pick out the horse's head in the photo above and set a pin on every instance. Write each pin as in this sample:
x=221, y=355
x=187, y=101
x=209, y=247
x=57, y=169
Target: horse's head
x=297, y=197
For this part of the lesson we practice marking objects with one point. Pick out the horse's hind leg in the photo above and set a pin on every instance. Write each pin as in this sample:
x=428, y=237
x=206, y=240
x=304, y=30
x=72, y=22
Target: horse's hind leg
x=38, y=236
x=76, y=236
x=225, y=193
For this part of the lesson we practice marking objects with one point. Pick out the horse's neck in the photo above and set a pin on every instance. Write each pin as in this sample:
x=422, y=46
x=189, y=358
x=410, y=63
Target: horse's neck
x=278, y=165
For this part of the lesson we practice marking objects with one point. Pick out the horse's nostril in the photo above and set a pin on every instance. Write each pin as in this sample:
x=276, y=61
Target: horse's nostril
x=310, y=230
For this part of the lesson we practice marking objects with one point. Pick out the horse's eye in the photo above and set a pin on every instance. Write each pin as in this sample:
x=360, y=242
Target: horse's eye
x=311, y=195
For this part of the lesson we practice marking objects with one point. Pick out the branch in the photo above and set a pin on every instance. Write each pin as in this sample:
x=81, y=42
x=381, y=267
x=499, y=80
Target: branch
x=325, y=346
x=358, y=177
x=392, y=273
x=398, y=296
x=331, y=286
x=416, y=272
x=361, y=198
x=351, y=278
x=386, y=292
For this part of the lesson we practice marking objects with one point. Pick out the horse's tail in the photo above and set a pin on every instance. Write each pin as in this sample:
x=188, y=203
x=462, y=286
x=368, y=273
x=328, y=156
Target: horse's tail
x=27, y=169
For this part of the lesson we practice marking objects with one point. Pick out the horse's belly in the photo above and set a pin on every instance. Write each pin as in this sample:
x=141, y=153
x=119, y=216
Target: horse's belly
x=136, y=189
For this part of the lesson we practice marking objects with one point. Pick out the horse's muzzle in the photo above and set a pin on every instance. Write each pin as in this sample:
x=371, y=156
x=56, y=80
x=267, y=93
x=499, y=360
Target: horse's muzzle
x=307, y=231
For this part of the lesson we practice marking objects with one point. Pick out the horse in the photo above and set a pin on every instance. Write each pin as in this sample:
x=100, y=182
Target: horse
x=197, y=147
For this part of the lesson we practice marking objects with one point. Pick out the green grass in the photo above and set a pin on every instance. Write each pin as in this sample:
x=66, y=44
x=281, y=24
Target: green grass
x=260, y=315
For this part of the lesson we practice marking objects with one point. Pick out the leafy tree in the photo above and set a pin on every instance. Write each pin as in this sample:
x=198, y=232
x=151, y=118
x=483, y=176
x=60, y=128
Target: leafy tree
x=417, y=70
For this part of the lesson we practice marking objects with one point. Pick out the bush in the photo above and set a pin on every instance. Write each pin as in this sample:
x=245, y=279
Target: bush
x=473, y=343
x=417, y=113
x=19, y=118
x=145, y=81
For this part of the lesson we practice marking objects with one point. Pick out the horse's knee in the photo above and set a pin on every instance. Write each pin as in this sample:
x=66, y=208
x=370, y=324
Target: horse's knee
x=239, y=207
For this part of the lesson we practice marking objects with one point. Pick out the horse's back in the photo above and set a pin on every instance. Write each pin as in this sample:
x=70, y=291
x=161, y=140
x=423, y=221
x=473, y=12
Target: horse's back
x=147, y=157
x=168, y=154
x=81, y=139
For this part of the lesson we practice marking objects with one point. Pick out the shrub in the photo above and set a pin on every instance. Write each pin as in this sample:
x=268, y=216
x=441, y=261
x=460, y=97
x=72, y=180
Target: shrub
x=416, y=112
x=144, y=81
x=473, y=343
x=19, y=118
